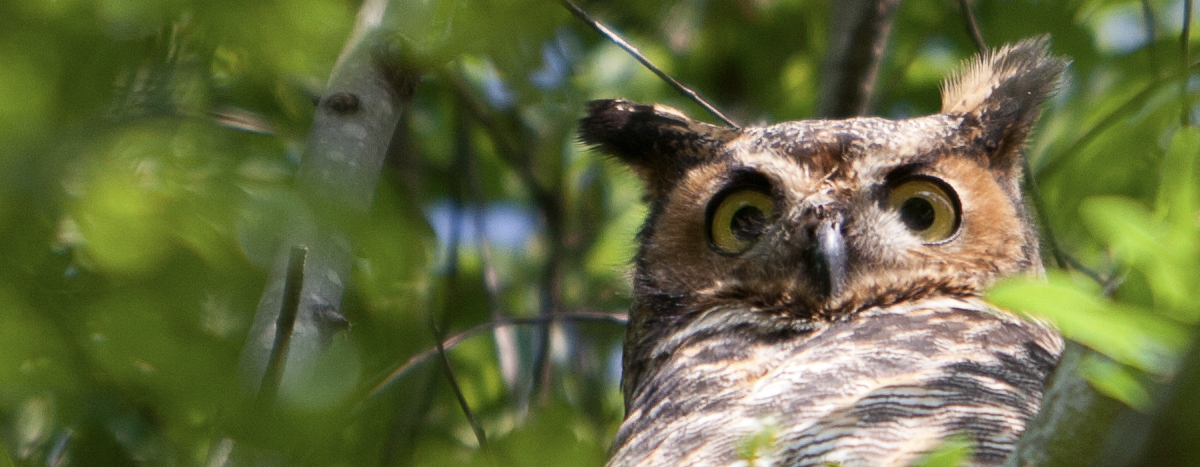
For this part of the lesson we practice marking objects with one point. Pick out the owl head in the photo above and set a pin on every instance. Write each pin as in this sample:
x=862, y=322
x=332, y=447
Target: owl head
x=779, y=228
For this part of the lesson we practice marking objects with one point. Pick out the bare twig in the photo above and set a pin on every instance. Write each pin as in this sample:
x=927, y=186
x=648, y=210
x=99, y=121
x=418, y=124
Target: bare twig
x=284, y=324
x=450, y=276
x=1109, y=284
x=454, y=339
x=508, y=149
x=1039, y=208
x=1151, y=24
x=637, y=54
x=506, y=346
x=1185, y=43
x=1062, y=259
x=476, y=427
x=973, y=26
x=549, y=205
x=550, y=303
x=1112, y=118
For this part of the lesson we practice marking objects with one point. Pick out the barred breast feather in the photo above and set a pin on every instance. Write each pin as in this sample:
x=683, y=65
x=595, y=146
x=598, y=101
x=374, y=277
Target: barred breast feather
x=879, y=388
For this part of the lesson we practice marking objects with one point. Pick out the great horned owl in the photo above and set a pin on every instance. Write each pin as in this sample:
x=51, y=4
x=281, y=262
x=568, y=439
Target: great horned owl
x=808, y=293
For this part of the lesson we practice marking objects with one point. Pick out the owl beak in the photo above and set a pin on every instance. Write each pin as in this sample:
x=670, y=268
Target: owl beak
x=829, y=256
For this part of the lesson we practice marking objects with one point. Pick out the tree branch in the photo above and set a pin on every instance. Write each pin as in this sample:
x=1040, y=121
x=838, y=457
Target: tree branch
x=859, y=38
x=454, y=339
x=615, y=38
x=973, y=26
x=1185, y=52
x=337, y=177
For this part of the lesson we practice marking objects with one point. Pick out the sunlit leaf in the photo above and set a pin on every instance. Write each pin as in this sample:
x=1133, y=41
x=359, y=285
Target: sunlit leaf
x=1128, y=335
x=952, y=453
x=1168, y=258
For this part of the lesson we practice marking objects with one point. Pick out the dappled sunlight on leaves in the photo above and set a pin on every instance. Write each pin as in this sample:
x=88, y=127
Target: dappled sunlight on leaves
x=1157, y=250
x=147, y=156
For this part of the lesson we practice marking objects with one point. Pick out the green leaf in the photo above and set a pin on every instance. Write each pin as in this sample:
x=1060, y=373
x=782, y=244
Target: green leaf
x=1116, y=381
x=951, y=453
x=1167, y=256
x=1178, y=193
x=1126, y=334
x=752, y=447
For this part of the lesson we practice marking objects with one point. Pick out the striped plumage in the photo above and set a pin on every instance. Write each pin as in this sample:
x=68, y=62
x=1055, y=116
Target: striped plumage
x=878, y=388
x=809, y=293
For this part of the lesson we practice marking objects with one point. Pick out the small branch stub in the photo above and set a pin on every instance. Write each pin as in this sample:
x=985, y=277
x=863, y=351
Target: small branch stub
x=342, y=103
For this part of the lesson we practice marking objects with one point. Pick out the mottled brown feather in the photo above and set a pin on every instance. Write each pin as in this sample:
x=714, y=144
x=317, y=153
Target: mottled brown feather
x=727, y=348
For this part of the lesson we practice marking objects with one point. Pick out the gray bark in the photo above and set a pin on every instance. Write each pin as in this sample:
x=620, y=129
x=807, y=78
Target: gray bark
x=338, y=175
x=1074, y=423
x=299, y=312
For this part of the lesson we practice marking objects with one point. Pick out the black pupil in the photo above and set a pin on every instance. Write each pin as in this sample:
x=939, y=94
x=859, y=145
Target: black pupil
x=917, y=213
x=747, y=223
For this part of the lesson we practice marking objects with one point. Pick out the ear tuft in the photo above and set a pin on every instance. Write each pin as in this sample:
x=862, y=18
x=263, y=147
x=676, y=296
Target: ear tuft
x=656, y=141
x=1000, y=95
x=1017, y=76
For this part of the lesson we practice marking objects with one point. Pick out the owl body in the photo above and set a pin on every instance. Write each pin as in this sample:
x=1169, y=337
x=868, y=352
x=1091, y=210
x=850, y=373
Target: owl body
x=809, y=292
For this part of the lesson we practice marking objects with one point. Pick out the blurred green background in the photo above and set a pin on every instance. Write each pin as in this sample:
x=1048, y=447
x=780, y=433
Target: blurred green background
x=148, y=147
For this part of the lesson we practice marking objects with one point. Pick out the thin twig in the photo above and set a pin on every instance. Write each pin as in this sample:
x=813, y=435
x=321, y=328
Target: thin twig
x=637, y=54
x=1151, y=24
x=293, y=284
x=1112, y=118
x=1077, y=265
x=450, y=274
x=1039, y=209
x=506, y=350
x=509, y=150
x=1115, y=279
x=551, y=298
x=973, y=26
x=1062, y=259
x=476, y=427
x=453, y=340
x=1185, y=36
x=548, y=203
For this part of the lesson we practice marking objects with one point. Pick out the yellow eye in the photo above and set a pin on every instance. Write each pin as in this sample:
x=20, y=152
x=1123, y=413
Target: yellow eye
x=928, y=207
x=739, y=220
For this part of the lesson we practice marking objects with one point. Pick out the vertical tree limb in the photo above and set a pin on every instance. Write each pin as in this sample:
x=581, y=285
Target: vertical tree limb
x=858, y=40
x=1150, y=26
x=1185, y=46
x=355, y=119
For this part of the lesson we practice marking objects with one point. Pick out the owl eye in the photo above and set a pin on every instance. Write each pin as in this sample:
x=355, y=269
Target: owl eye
x=739, y=219
x=928, y=207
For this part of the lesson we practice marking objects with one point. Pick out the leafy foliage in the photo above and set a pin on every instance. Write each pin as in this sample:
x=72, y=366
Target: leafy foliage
x=149, y=149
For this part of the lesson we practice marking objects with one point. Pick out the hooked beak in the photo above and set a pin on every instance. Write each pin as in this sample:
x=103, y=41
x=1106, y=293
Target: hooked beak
x=828, y=257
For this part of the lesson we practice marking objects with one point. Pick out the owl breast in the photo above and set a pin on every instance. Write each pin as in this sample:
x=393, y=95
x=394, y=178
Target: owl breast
x=881, y=388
